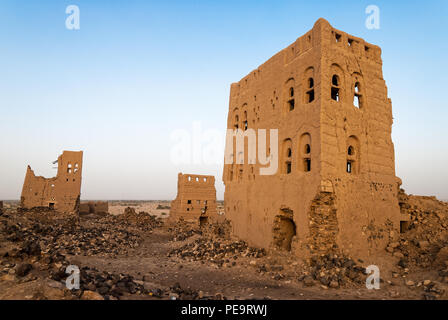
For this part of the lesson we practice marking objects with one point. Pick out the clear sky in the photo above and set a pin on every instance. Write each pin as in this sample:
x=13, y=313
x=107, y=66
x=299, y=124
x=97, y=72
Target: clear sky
x=136, y=71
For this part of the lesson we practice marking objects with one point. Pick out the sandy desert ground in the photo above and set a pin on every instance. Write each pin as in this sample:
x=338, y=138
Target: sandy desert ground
x=140, y=256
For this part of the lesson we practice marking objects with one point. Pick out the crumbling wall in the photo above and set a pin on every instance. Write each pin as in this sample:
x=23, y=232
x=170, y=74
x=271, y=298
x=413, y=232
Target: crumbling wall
x=94, y=207
x=195, y=200
x=323, y=223
x=326, y=95
x=60, y=193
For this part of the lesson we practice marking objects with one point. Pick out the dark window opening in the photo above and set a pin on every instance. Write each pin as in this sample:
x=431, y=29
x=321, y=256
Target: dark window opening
x=51, y=206
x=289, y=152
x=291, y=104
x=307, y=163
x=350, y=151
x=291, y=92
x=335, y=94
x=203, y=221
x=404, y=226
x=349, y=167
x=288, y=167
x=335, y=80
x=350, y=42
x=310, y=95
x=366, y=48
x=307, y=148
x=189, y=201
x=245, y=125
x=310, y=83
x=338, y=37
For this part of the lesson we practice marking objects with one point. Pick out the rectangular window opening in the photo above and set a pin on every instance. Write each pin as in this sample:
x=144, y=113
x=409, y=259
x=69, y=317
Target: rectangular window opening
x=349, y=166
x=307, y=163
x=288, y=167
x=335, y=94
x=310, y=95
x=356, y=101
x=291, y=104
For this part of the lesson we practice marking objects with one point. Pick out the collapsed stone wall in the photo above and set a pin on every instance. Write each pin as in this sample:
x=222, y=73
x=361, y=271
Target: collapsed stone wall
x=323, y=224
x=196, y=199
x=61, y=193
x=94, y=207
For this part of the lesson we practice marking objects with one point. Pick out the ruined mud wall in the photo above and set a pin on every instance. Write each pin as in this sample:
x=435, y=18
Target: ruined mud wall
x=336, y=180
x=94, y=207
x=61, y=193
x=195, y=200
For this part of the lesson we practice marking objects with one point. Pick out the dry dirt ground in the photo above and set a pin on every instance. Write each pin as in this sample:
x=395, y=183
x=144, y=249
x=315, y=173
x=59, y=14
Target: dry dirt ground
x=136, y=255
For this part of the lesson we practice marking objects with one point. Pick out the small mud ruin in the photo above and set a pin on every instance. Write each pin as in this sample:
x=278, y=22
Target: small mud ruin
x=61, y=193
x=196, y=199
x=94, y=207
x=335, y=190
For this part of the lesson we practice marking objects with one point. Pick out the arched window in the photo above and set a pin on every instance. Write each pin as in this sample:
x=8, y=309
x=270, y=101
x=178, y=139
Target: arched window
x=287, y=156
x=310, y=92
x=289, y=95
x=245, y=121
x=237, y=120
x=357, y=96
x=305, y=152
x=291, y=101
x=335, y=88
x=308, y=85
x=353, y=155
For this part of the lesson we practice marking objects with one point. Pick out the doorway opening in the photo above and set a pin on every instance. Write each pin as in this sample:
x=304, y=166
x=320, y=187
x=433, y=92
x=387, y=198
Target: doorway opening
x=284, y=231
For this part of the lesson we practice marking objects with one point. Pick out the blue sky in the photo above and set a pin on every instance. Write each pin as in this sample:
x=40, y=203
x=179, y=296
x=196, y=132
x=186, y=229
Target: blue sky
x=137, y=70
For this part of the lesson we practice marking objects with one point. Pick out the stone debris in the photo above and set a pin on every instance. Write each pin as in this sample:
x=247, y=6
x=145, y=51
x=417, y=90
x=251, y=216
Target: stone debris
x=220, y=253
x=425, y=242
x=333, y=271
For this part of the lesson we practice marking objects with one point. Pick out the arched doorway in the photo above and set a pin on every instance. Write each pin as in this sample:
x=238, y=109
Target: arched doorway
x=284, y=230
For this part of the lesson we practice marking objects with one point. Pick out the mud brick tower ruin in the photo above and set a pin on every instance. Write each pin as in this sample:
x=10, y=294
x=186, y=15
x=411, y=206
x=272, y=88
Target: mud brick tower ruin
x=196, y=199
x=62, y=192
x=335, y=189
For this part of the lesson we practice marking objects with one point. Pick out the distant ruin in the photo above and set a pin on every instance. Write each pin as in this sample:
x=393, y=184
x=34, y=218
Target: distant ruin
x=94, y=207
x=61, y=193
x=335, y=189
x=196, y=199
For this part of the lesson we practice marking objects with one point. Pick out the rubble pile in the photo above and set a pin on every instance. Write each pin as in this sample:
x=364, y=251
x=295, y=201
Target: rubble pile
x=216, y=252
x=73, y=238
x=425, y=243
x=130, y=218
x=333, y=271
x=183, y=230
x=41, y=252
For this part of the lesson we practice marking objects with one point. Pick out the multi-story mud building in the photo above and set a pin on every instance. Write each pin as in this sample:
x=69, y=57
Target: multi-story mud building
x=335, y=189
